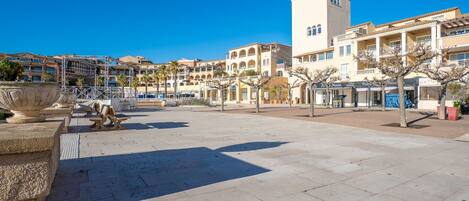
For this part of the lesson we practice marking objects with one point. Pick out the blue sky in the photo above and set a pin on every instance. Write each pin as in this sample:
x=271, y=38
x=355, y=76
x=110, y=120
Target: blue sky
x=164, y=30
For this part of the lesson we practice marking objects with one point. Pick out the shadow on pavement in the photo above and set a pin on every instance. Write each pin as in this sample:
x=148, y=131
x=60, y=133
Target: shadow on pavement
x=149, y=175
x=131, y=126
x=250, y=146
x=168, y=125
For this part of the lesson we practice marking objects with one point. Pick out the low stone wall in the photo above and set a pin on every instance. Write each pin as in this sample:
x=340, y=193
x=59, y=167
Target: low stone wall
x=29, y=157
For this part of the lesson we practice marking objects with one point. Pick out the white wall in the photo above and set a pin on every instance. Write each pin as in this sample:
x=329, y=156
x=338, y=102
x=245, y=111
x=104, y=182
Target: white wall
x=306, y=13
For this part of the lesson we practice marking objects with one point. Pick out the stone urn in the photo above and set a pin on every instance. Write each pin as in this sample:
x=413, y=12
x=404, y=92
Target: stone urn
x=66, y=100
x=26, y=99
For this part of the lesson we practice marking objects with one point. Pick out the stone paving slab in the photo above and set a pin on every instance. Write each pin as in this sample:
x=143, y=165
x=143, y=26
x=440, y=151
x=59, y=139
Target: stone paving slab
x=191, y=156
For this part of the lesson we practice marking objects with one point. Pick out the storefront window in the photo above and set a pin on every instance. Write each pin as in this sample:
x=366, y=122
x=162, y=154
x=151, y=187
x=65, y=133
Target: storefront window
x=429, y=93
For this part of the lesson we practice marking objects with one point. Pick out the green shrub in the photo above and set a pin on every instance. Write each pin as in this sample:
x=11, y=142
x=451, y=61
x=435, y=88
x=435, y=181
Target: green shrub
x=194, y=101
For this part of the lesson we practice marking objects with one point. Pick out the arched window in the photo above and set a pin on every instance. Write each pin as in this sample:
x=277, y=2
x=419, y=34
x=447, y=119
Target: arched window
x=308, y=31
x=251, y=51
x=251, y=64
x=234, y=55
x=234, y=67
x=242, y=54
x=314, y=30
x=319, y=29
x=242, y=65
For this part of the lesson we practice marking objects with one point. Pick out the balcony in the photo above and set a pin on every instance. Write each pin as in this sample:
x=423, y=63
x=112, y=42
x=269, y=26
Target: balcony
x=368, y=71
x=456, y=42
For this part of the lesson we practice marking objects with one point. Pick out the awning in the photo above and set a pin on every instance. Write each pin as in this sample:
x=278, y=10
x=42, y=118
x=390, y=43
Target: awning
x=387, y=89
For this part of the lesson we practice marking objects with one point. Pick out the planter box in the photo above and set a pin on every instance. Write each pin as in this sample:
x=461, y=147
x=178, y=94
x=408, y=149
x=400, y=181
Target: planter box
x=29, y=158
x=453, y=113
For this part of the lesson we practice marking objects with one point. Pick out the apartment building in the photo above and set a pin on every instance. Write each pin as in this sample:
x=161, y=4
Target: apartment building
x=35, y=65
x=267, y=59
x=441, y=29
x=192, y=75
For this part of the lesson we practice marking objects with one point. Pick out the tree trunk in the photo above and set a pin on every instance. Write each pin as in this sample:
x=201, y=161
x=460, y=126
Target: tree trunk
x=368, y=98
x=146, y=90
x=289, y=96
x=222, y=101
x=257, y=99
x=327, y=96
x=442, y=101
x=311, y=100
x=123, y=92
x=135, y=92
x=158, y=89
x=383, y=97
x=402, y=110
x=175, y=85
x=165, y=88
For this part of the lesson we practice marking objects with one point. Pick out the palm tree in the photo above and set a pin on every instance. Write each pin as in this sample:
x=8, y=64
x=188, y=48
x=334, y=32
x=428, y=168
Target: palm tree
x=134, y=85
x=163, y=73
x=157, y=79
x=146, y=79
x=122, y=81
x=174, y=69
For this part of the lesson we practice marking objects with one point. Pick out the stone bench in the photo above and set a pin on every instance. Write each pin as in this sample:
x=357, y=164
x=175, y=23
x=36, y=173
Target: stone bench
x=29, y=158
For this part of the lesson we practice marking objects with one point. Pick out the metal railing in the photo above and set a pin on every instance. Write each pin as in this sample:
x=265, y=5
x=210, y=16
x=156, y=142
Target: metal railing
x=100, y=93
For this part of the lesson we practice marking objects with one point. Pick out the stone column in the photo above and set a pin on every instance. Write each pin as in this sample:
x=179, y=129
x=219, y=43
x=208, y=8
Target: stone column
x=404, y=46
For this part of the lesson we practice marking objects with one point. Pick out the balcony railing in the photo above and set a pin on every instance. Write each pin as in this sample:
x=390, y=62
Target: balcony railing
x=367, y=71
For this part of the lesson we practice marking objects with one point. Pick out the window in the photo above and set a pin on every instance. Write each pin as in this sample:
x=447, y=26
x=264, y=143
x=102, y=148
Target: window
x=314, y=58
x=280, y=73
x=280, y=61
x=335, y=2
x=341, y=51
x=319, y=28
x=395, y=44
x=329, y=55
x=344, y=71
x=314, y=30
x=424, y=40
x=36, y=78
x=349, y=50
x=458, y=31
x=308, y=32
x=460, y=58
x=429, y=93
x=321, y=56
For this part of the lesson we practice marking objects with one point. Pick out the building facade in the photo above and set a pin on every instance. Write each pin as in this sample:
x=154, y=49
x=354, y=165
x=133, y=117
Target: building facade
x=442, y=29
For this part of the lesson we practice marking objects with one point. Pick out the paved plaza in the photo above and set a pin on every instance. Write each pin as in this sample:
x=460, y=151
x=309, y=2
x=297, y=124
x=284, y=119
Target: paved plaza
x=420, y=123
x=193, y=156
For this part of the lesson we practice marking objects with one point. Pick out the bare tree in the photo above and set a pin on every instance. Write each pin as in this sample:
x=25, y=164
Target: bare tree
x=397, y=65
x=221, y=82
x=290, y=86
x=382, y=82
x=312, y=78
x=256, y=82
x=329, y=83
x=445, y=73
